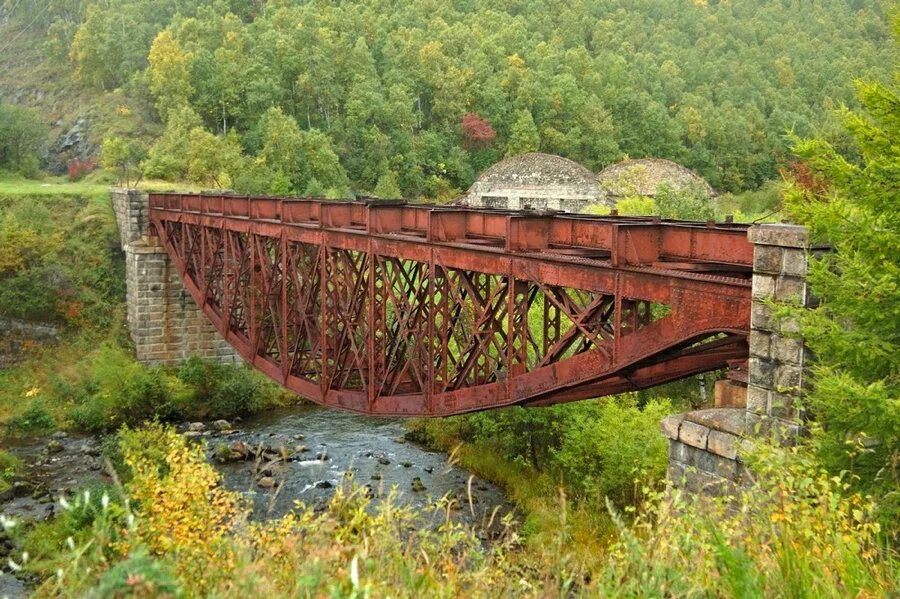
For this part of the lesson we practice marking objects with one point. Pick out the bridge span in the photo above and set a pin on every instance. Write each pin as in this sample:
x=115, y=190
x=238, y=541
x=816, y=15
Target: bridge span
x=386, y=307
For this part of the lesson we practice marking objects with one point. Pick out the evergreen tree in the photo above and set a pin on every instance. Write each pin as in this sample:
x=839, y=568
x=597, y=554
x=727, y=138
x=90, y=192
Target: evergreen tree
x=855, y=332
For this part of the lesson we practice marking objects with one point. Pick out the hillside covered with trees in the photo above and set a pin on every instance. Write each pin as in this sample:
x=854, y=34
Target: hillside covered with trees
x=416, y=98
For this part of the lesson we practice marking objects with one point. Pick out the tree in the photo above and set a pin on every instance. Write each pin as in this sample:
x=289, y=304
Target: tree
x=23, y=134
x=168, y=157
x=524, y=136
x=124, y=157
x=387, y=187
x=299, y=156
x=170, y=72
x=213, y=160
x=477, y=132
x=855, y=331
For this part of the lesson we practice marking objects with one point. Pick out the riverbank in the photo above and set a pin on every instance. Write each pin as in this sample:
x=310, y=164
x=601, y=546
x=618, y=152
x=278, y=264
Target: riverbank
x=273, y=461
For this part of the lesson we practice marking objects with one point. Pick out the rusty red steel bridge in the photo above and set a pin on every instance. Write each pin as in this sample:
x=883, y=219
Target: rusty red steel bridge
x=393, y=308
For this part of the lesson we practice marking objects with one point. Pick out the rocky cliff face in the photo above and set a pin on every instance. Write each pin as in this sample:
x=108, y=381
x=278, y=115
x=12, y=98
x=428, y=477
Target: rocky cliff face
x=73, y=143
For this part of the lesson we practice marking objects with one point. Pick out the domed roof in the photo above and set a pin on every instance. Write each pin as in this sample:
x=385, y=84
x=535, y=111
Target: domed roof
x=536, y=168
x=644, y=176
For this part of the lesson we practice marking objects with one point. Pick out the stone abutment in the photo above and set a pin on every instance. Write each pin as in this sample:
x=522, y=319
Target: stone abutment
x=705, y=446
x=165, y=324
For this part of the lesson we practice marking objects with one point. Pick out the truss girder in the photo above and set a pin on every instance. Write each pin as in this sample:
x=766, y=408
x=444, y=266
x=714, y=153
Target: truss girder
x=408, y=310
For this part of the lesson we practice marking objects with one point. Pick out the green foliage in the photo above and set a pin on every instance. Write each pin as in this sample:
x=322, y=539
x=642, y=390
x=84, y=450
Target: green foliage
x=600, y=448
x=708, y=84
x=110, y=389
x=796, y=533
x=224, y=390
x=139, y=575
x=124, y=157
x=524, y=136
x=116, y=390
x=611, y=448
x=387, y=186
x=213, y=160
x=23, y=134
x=169, y=157
x=682, y=204
x=855, y=331
x=35, y=419
x=58, y=259
x=10, y=466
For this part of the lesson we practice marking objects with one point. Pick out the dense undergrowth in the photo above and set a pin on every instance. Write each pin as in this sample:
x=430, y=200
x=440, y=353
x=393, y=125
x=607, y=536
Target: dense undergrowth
x=170, y=529
x=61, y=265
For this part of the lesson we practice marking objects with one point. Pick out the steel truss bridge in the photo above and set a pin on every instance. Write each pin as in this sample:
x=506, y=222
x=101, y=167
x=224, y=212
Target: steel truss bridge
x=386, y=307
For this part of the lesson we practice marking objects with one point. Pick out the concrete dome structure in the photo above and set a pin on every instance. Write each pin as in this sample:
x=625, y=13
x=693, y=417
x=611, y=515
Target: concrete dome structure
x=642, y=177
x=535, y=181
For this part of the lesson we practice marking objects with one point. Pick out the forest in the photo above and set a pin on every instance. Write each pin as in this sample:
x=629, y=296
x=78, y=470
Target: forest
x=415, y=99
x=790, y=109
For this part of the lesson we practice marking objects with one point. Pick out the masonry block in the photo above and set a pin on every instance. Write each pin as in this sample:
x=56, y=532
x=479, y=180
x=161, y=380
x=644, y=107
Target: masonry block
x=760, y=344
x=730, y=394
x=757, y=399
x=693, y=434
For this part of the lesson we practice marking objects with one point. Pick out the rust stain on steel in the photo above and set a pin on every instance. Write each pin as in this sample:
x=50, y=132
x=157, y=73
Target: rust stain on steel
x=400, y=309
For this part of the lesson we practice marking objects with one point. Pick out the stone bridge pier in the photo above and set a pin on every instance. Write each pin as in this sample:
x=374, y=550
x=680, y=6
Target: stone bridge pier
x=705, y=445
x=165, y=324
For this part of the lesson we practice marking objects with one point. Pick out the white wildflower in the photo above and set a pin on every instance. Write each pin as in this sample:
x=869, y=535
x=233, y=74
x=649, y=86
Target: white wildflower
x=71, y=543
x=13, y=565
x=354, y=572
x=104, y=501
x=64, y=503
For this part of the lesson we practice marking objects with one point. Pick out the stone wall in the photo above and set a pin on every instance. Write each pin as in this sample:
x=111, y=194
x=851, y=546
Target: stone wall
x=705, y=445
x=132, y=212
x=165, y=324
x=570, y=198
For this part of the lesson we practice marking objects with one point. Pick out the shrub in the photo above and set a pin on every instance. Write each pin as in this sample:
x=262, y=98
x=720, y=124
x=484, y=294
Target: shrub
x=10, y=466
x=78, y=169
x=34, y=420
x=120, y=391
x=222, y=390
x=614, y=450
x=139, y=575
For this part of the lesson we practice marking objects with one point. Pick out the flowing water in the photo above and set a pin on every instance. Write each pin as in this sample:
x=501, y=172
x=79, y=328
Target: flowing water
x=307, y=452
